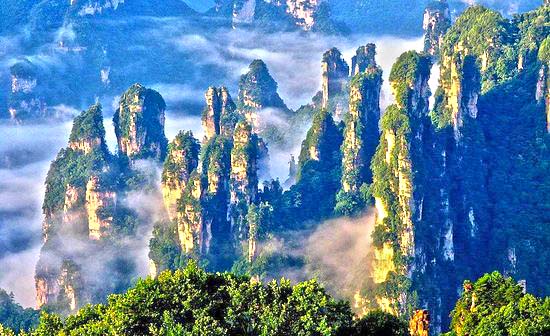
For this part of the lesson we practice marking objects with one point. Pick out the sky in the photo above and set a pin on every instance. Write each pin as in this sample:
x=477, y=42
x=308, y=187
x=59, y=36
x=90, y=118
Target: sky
x=200, y=5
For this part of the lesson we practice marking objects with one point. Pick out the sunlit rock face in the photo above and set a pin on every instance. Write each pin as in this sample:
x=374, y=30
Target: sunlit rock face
x=100, y=206
x=80, y=206
x=208, y=197
x=466, y=208
x=437, y=20
x=192, y=237
x=462, y=92
x=63, y=286
x=335, y=75
x=419, y=325
x=203, y=225
x=244, y=178
x=394, y=183
x=220, y=114
x=181, y=161
x=139, y=124
x=47, y=289
x=68, y=189
x=361, y=134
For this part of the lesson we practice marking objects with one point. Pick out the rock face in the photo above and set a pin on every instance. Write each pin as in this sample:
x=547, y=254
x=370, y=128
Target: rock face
x=462, y=91
x=219, y=116
x=437, y=20
x=279, y=14
x=335, y=75
x=361, y=132
x=70, y=284
x=63, y=287
x=24, y=102
x=191, y=234
x=212, y=199
x=202, y=220
x=88, y=133
x=292, y=172
x=244, y=178
x=216, y=168
x=364, y=58
x=444, y=171
x=86, y=228
x=139, y=124
x=303, y=11
x=243, y=12
x=467, y=213
x=181, y=161
x=393, y=179
x=543, y=90
x=100, y=206
x=419, y=324
x=79, y=205
x=258, y=91
x=208, y=198
x=47, y=289
x=66, y=191
x=423, y=176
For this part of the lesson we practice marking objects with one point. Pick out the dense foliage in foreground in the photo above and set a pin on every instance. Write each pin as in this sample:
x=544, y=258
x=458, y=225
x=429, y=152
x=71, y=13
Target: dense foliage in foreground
x=14, y=316
x=193, y=302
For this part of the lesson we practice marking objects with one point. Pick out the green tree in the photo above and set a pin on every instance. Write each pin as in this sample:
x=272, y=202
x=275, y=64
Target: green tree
x=193, y=302
x=496, y=305
x=379, y=323
x=15, y=317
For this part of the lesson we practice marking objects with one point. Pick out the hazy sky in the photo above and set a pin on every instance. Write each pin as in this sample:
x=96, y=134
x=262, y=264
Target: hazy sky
x=200, y=5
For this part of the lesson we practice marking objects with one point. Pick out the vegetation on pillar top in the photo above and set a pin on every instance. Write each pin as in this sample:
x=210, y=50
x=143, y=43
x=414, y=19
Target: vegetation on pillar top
x=409, y=68
x=88, y=125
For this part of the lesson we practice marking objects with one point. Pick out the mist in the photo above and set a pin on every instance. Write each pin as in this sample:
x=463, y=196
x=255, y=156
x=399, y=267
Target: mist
x=337, y=252
x=220, y=58
x=293, y=59
x=26, y=152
